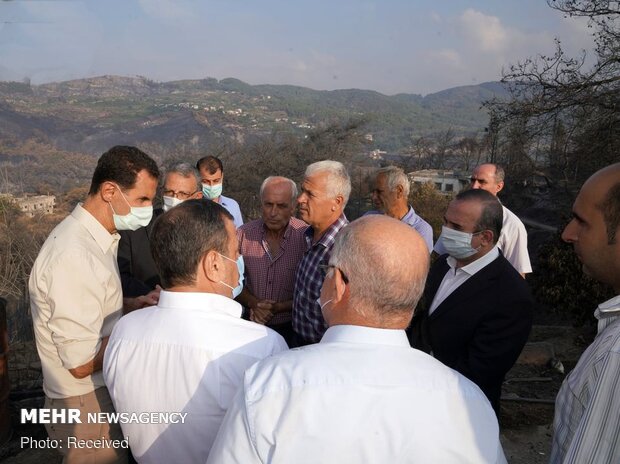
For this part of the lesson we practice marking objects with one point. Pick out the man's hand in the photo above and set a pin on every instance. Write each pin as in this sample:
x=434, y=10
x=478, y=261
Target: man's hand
x=150, y=299
x=263, y=311
x=92, y=366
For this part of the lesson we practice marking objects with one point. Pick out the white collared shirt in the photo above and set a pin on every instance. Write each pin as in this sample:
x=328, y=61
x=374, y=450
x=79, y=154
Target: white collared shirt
x=455, y=277
x=513, y=242
x=185, y=355
x=361, y=395
x=75, y=299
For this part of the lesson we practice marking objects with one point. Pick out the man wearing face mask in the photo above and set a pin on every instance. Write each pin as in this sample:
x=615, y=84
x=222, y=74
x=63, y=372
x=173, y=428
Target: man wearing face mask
x=193, y=346
x=139, y=275
x=478, y=310
x=76, y=297
x=211, y=171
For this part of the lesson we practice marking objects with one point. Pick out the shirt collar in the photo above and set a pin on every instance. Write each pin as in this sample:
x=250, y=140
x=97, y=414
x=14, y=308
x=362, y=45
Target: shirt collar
x=199, y=300
x=477, y=265
x=329, y=236
x=361, y=334
x=607, y=312
x=367, y=335
x=100, y=234
x=411, y=216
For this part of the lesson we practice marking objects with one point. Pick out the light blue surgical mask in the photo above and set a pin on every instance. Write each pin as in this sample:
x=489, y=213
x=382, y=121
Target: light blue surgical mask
x=138, y=216
x=236, y=291
x=212, y=191
x=457, y=243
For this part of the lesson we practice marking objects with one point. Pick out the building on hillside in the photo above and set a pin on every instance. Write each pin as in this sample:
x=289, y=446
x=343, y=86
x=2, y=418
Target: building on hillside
x=447, y=182
x=37, y=204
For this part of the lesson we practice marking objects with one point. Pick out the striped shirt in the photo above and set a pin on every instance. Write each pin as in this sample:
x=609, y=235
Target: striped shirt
x=587, y=408
x=308, y=320
x=270, y=277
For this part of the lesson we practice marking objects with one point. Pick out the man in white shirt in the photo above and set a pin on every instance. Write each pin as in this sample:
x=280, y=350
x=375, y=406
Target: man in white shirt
x=76, y=298
x=513, y=239
x=187, y=355
x=587, y=408
x=478, y=311
x=361, y=395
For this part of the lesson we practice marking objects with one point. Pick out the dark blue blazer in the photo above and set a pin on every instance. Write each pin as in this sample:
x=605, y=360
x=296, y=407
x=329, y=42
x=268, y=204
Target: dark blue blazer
x=481, y=328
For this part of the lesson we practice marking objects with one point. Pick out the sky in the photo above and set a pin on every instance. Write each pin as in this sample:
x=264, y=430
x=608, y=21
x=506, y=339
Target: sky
x=391, y=46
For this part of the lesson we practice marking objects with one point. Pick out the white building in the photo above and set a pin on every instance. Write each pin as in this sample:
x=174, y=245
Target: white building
x=448, y=182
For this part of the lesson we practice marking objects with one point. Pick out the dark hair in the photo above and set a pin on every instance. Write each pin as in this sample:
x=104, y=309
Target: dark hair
x=121, y=164
x=183, y=235
x=610, y=207
x=211, y=163
x=492, y=215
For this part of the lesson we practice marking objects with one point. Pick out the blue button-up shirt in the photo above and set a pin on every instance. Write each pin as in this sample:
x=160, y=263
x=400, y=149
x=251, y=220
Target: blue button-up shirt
x=420, y=225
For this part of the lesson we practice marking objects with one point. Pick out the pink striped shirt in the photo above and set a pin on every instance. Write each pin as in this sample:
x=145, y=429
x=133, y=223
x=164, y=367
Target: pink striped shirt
x=270, y=277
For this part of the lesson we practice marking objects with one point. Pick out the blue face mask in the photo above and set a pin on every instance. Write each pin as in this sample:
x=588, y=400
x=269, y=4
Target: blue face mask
x=236, y=291
x=138, y=216
x=212, y=191
x=456, y=243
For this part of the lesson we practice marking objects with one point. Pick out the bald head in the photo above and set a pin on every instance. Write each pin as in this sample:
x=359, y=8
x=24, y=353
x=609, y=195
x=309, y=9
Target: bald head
x=386, y=263
x=594, y=230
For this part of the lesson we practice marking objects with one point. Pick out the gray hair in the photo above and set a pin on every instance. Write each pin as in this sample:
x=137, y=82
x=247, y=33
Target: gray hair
x=338, y=180
x=184, y=170
x=293, y=185
x=500, y=174
x=378, y=282
x=394, y=177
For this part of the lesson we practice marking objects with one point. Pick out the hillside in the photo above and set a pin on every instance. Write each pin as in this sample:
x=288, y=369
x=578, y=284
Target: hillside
x=89, y=115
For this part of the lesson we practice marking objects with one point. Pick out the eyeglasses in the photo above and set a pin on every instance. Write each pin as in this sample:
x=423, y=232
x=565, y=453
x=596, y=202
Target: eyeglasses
x=179, y=195
x=326, y=267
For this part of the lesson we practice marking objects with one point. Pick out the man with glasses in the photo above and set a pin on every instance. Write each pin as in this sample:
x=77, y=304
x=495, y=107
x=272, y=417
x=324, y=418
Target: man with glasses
x=478, y=310
x=361, y=394
x=139, y=275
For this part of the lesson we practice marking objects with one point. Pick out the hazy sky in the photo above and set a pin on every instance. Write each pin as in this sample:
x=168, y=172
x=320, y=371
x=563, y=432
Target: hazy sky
x=392, y=46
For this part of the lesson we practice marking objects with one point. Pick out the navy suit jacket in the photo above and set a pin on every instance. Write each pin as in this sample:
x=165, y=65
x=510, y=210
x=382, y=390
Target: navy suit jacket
x=480, y=328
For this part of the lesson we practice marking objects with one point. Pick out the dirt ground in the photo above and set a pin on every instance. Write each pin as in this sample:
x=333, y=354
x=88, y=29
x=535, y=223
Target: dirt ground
x=529, y=392
x=526, y=414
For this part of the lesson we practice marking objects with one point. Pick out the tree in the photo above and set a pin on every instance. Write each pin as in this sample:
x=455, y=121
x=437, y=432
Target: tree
x=546, y=90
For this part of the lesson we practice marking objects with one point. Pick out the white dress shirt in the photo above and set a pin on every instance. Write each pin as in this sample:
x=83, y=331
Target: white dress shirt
x=513, y=242
x=361, y=395
x=75, y=298
x=455, y=277
x=185, y=355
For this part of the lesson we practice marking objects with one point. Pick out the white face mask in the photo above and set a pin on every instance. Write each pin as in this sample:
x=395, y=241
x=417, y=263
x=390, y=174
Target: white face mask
x=170, y=202
x=138, y=216
x=457, y=243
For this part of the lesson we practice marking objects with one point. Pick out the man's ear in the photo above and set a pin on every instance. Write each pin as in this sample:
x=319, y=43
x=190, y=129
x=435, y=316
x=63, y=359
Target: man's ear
x=212, y=266
x=500, y=186
x=399, y=191
x=487, y=235
x=341, y=286
x=107, y=191
x=339, y=200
